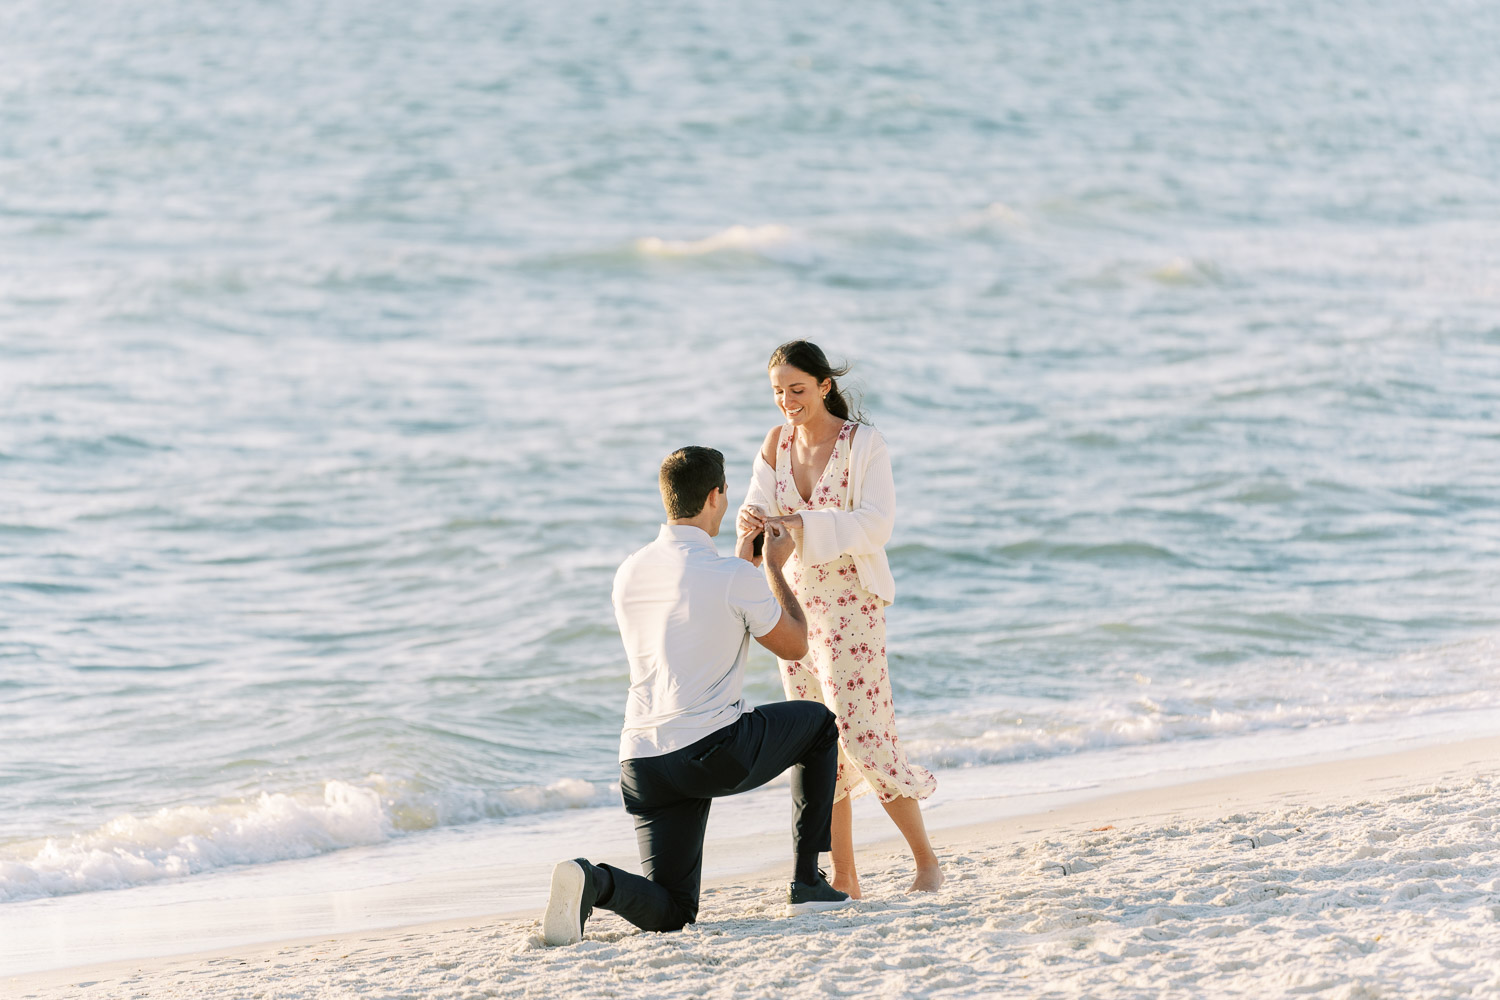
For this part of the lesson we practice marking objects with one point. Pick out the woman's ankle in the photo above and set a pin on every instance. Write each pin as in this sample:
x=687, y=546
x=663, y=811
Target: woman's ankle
x=846, y=882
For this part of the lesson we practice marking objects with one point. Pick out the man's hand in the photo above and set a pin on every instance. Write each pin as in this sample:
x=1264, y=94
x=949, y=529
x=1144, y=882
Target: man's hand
x=744, y=548
x=748, y=526
x=779, y=545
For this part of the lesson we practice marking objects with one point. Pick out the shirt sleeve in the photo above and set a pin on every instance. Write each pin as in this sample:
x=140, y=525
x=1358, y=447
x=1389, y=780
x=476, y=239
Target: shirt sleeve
x=751, y=599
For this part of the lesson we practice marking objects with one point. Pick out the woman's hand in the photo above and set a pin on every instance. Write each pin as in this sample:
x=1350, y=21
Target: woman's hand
x=748, y=527
x=786, y=521
x=751, y=520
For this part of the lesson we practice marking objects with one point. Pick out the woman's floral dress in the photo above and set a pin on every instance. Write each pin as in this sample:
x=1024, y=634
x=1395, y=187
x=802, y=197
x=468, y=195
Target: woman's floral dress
x=845, y=665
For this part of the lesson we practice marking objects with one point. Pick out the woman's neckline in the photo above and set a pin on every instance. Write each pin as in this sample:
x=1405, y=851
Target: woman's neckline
x=826, y=462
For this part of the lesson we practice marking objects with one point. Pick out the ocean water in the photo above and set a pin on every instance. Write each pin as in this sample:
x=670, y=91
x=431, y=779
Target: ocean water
x=339, y=344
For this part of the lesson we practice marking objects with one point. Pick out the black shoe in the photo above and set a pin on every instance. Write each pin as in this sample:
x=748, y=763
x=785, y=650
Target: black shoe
x=571, y=903
x=804, y=898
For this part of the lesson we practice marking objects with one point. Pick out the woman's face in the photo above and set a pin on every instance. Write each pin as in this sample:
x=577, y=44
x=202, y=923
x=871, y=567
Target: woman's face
x=798, y=394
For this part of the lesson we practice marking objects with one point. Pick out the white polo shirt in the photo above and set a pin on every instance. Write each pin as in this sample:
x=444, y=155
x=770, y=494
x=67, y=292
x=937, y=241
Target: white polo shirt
x=686, y=615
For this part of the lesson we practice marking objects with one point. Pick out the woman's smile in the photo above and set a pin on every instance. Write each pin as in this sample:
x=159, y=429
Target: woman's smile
x=795, y=390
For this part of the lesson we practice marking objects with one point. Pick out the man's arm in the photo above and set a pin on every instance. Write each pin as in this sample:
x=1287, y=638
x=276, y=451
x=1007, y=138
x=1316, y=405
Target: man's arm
x=788, y=639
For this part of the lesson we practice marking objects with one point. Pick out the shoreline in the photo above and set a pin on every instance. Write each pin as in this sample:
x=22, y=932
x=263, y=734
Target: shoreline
x=1285, y=788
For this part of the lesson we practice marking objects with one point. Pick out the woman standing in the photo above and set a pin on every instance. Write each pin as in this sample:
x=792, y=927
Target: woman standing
x=827, y=476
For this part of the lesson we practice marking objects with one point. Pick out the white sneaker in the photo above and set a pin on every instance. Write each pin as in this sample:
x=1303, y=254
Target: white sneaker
x=567, y=910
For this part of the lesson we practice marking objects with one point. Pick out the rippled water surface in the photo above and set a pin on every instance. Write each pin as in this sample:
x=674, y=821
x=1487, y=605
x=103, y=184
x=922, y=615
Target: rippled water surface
x=339, y=343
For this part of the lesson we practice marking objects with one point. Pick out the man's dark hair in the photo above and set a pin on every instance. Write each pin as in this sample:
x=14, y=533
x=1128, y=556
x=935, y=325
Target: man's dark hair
x=688, y=476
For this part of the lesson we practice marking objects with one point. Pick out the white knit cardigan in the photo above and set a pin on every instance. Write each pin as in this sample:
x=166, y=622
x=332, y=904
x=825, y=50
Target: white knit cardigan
x=861, y=528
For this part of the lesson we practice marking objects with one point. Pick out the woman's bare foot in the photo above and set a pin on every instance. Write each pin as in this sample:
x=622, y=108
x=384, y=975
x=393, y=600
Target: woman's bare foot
x=929, y=879
x=846, y=883
x=907, y=816
x=841, y=857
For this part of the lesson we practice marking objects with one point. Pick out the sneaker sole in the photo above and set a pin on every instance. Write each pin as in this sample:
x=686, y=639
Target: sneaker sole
x=816, y=906
x=560, y=923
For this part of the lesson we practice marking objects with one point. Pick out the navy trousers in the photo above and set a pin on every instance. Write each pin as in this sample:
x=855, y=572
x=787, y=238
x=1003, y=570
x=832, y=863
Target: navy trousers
x=669, y=797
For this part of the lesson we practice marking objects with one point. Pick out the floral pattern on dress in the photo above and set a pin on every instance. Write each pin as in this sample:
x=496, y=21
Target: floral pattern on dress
x=845, y=666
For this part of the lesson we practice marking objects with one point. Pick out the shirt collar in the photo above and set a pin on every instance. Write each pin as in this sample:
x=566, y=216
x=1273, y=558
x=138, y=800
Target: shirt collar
x=686, y=534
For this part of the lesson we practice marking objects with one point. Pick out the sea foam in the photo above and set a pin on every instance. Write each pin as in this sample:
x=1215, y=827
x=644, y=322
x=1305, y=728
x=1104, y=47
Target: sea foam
x=991, y=737
x=742, y=238
x=192, y=839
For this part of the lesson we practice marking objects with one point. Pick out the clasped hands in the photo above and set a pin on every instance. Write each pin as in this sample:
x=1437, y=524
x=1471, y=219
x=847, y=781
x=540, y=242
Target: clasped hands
x=752, y=523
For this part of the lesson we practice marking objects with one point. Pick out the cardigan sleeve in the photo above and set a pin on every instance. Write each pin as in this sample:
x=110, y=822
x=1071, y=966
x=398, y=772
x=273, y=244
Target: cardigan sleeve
x=864, y=529
x=762, y=491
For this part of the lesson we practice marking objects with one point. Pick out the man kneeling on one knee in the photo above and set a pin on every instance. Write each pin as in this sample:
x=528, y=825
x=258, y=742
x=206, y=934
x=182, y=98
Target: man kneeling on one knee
x=687, y=615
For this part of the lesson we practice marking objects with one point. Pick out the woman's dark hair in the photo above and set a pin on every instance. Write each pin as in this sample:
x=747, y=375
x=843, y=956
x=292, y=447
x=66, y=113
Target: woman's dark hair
x=806, y=356
x=687, y=477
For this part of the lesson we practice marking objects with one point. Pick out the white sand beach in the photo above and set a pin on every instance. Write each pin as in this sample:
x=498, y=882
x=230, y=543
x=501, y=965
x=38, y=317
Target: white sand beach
x=1376, y=876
